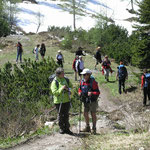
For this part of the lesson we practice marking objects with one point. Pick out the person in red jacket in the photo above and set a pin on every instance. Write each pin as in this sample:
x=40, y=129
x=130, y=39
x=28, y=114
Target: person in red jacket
x=106, y=67
x=74, y=66
x=145, y=86
x=89, y=93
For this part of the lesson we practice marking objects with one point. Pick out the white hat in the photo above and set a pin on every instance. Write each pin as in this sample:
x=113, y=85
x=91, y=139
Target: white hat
x=80, y=56
x=86, y=71
x=59, y=51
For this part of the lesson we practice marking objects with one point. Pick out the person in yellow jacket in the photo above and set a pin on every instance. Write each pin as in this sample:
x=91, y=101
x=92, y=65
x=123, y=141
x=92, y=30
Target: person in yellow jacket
x=61, y=90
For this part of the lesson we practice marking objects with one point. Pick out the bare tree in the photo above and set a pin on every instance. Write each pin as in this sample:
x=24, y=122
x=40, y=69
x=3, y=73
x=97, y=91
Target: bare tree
x=39, y=20
x=11, y=11
x=75, y=7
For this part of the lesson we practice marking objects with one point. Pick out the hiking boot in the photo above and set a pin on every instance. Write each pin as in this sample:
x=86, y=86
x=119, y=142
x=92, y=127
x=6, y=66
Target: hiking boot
x=86, y=129
x=68, y=132
x=61, y=131
x=93, y=131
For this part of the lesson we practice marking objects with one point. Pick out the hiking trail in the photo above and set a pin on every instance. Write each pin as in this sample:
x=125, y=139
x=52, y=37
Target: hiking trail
x=58, y=141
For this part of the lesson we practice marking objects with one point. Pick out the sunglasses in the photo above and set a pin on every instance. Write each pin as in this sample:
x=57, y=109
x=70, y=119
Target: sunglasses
x=85, y=74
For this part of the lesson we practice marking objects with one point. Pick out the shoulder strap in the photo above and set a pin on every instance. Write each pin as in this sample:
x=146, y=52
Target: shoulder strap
x=67, y=80
x=91, y=82
x=56, y=82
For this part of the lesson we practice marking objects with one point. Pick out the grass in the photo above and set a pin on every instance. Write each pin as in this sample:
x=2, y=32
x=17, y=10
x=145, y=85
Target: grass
x=113, y=141
x=118, y=141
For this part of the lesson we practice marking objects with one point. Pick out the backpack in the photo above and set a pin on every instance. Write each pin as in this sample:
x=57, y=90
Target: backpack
x=74, y=64
x=33, y=51
x=105, y=64
x=122, y=72
x=147, y=80
x=78, y=65
x=85, y=89
x=53, y=77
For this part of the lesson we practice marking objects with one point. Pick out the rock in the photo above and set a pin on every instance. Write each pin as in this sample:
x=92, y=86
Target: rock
x=49, y=124
x=141, y=148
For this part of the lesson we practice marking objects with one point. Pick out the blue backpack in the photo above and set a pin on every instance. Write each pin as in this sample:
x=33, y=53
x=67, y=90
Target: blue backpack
x=88, y=88
x=147, y=80
x=122, y=72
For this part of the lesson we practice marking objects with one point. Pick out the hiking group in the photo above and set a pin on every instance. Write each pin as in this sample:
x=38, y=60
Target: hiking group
x=88, y=88
x=88, y=92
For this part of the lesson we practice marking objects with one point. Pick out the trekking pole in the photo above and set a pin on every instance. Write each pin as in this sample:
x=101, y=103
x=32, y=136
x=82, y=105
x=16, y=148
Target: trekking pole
x=60, y=104
x=80, y=115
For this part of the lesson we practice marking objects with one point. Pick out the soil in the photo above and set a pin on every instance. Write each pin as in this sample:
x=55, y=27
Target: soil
x=58, y=141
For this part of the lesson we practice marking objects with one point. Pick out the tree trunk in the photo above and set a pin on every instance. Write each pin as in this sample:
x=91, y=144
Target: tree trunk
x=132, y=4
x=74, y=16
x=38, y=28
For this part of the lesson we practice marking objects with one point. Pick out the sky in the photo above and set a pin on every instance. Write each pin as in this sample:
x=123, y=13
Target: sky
x=52, y=15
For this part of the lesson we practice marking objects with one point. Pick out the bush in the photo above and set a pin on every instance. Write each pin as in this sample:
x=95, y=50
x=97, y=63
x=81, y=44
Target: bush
x=67, y=42
x=24, y=94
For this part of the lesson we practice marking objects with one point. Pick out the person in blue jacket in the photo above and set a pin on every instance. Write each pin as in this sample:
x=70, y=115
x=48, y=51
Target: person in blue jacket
x=122, y=75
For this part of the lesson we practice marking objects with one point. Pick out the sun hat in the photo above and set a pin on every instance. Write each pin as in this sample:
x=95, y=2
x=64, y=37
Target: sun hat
x=98, y=48
x=86, y=71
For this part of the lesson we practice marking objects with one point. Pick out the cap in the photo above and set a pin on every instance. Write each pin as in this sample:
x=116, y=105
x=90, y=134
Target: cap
x=86, y=71
x=98, y=48
x=59, y=51
x=80, y=56
x=106, y=56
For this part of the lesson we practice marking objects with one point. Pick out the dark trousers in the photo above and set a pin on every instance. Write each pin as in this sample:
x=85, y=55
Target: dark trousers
x=146, y=92
x=121, y=84
x=19, y=54
x=63, y=115
x=60, y=63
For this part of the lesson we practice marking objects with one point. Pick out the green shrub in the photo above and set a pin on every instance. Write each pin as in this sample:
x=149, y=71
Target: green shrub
x=67, y=42
x=24, y=94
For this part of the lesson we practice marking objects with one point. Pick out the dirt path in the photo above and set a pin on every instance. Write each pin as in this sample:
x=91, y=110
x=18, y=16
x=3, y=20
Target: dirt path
x=57, y=141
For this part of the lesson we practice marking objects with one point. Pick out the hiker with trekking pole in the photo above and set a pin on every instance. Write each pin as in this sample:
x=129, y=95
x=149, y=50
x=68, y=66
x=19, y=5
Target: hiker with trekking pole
x=61, y=88
x=89, y=93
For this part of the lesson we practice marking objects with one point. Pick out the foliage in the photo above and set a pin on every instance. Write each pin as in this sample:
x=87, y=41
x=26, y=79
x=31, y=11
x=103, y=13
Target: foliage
x=24, y=94
x=75, y=7
x=67, y=42
x=59, y=32
x=141, y=48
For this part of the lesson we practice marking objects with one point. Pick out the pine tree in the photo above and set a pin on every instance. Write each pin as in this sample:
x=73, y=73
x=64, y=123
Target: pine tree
x=141, y=50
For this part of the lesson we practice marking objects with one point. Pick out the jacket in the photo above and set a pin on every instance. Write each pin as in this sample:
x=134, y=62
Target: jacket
x=94, y=90
x=79, y=65
x=144, y=83
x=60, y=95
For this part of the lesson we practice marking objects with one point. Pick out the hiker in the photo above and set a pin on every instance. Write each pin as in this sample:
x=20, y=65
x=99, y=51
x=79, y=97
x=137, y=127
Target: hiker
x=42, y=50
x=89, y=92
x=60, y=59
x=19, y=52
x=36, y=52
x=122, y=75
x=79, y=52
x=98, y=56
x=145, y=85
x=106, y=67
x=79, y=66
x=61, y=95
x=74, y=66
